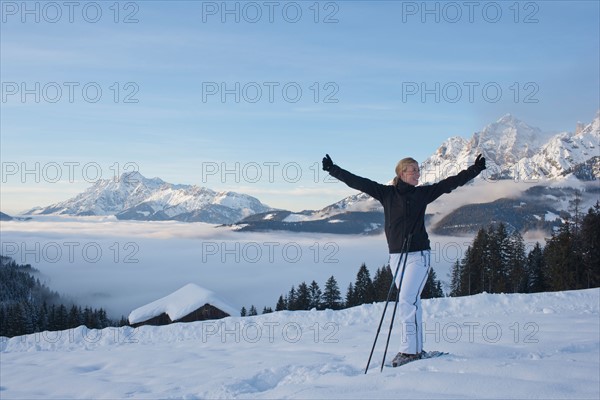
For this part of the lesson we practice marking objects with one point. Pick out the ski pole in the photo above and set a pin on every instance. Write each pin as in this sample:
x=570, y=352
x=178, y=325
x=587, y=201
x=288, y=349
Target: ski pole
x=396, y=302
x=386, y=303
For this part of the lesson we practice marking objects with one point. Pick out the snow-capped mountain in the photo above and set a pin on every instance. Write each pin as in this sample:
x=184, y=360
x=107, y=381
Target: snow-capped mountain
x=360, y=202
x=106, y=196
x=515, y=150
x=356, y=214
x=133, y=196
x=563, y=153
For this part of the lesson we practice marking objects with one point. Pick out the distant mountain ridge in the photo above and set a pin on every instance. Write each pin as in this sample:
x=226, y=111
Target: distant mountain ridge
x=134, y=197
x=513, y=149
x=5, y=217
x=537, y=208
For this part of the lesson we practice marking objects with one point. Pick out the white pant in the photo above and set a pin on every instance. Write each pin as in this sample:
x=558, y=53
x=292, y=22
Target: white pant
x=410, y=281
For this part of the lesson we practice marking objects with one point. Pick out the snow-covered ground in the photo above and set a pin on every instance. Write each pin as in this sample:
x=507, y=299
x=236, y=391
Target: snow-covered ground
x=501, y=346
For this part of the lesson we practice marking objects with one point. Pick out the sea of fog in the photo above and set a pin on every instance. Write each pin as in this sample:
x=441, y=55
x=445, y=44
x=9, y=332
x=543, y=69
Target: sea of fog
x=122, y=265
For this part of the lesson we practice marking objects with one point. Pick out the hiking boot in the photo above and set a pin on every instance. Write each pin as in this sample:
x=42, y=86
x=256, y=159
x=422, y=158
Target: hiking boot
x=404, y=358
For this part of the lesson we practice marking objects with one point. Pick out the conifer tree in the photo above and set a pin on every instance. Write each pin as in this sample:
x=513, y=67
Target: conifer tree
x=433, y=287
x=3, y=320
x=516, y=264
x=590, y=251
x=498, y=250
x=31, y=316
x=281, y=305
x=455, y=281
x=350, y=297
x=377, y=284
x=73, y=319
x=17, y=320
x=472, y=279
x=88, y=317
x=291, y=300
x=42, y=323
x=577, y=239
x=252, y=311
x=382, y=282
x=560, y=259
x=52, y=325
x=303, y=297
x=315, y=295
x=576, y=213
x=476, y=271
x=102, y=319
x=364, y=292
x=535, y=270
x=243, y=312
x=332, y=298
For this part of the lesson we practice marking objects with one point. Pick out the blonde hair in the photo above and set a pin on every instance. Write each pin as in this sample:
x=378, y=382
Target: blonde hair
x=401, y=167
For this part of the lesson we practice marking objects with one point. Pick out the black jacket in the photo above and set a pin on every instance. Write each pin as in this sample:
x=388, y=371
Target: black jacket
x=404, y=205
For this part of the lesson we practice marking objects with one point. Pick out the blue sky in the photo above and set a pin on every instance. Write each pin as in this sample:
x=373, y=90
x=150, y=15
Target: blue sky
x=248, y=96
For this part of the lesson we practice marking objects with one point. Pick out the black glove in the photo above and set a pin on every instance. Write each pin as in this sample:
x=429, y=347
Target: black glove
x=327, y=163
x=480, y=163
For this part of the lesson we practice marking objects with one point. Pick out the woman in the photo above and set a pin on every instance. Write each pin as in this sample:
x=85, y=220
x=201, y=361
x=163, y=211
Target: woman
x=404, y=205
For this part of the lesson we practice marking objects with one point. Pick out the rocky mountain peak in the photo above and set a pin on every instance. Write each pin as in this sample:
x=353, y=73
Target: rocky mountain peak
x=133, y=196
x=508, y=140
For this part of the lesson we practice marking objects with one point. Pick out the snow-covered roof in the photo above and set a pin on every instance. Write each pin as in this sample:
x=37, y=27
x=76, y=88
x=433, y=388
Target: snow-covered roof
x=179, y=304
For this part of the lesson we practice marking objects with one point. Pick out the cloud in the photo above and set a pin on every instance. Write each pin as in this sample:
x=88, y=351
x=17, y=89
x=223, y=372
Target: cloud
x=480, y=191
x=121, y=265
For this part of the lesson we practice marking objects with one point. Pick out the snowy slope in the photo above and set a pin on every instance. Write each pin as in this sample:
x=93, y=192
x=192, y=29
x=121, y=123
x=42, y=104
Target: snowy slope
x=502, y=346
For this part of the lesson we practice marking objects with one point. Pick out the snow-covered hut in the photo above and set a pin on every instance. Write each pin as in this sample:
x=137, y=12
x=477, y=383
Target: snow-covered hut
x=188, y=304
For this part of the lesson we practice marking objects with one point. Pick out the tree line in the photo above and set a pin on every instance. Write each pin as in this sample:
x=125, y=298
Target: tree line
x=363, y=290
x=28, y=306
x=497, y=261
